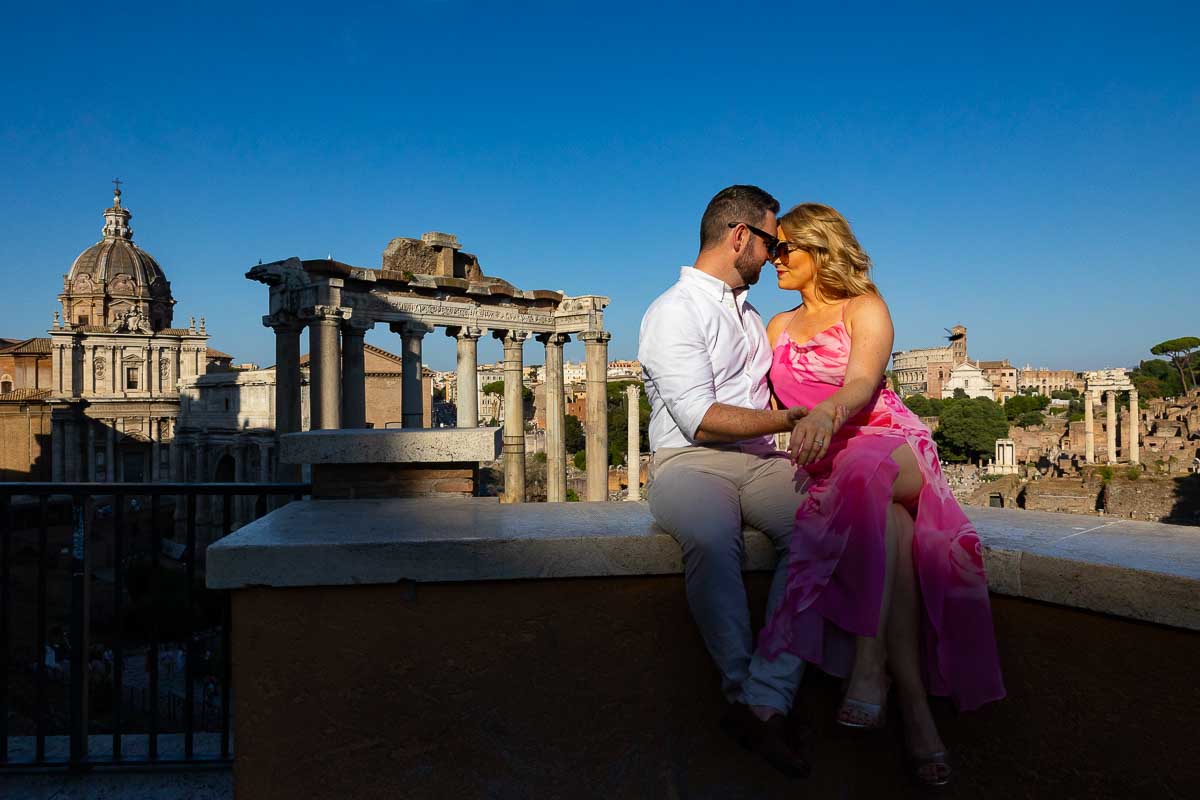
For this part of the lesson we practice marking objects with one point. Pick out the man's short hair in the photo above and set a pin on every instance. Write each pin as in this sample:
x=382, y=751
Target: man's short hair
x=748, y=204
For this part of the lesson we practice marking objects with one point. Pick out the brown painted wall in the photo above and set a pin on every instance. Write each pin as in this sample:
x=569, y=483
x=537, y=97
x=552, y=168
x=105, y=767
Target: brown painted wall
x=24, y=441
x=601, y=688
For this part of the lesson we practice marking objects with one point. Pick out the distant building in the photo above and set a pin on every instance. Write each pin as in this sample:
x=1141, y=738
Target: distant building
x=970, y=379
x=912, y=368
x=1044, y=381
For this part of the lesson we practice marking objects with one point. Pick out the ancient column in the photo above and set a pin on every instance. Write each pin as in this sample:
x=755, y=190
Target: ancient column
x=514, y=415
x=1110, y=424
x=467, y=375
x=354, y=375
x=110, y=450
x=556, y=434
x=412, y=407
x=1134, y=429
x=264, y=462
x=1089, y=428
x=596, y=377
x=91, y=449
x=632, y=392
x=288, y=381
x=325, y=367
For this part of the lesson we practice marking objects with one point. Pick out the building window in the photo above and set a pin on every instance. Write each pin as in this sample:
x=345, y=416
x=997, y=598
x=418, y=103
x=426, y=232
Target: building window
x=6, y=387
x=131, y=377
x=84, y=319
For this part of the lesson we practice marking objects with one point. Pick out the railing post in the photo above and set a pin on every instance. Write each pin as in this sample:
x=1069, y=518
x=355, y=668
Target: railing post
x=79, y=633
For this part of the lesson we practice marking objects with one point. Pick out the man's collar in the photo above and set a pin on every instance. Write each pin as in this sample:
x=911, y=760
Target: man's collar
x=713, y=286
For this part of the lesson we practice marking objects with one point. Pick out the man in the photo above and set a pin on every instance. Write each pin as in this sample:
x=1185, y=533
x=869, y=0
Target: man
x=705, y=357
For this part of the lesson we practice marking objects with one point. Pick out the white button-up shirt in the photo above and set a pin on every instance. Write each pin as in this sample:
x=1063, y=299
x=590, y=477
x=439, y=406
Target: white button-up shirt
x=701, y=343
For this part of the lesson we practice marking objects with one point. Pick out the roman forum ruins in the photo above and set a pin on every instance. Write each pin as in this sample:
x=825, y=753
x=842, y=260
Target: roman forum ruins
x=424, y=284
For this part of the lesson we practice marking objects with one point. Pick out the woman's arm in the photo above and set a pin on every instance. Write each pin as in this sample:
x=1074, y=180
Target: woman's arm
x=871, y=335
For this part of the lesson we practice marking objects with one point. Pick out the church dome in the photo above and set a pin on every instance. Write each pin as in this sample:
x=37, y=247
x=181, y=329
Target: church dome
x=115, y=278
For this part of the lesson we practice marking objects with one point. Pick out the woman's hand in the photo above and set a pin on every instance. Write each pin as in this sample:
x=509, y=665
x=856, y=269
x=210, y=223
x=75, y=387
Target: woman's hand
x=812, y=435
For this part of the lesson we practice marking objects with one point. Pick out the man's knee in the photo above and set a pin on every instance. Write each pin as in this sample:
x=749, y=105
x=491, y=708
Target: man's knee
x=698, y=511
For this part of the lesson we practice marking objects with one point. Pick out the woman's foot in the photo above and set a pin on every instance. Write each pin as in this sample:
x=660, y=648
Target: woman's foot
x=926, y=751
x=865, y=702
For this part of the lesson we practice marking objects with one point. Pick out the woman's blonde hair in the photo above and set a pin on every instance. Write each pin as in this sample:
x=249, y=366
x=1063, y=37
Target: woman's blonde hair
x=843, y=267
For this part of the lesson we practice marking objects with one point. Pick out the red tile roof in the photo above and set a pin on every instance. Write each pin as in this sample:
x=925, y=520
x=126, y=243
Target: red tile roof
x=25, y=395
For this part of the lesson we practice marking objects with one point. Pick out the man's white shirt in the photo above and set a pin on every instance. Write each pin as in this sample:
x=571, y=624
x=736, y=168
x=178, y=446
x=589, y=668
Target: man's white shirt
x=701, y=343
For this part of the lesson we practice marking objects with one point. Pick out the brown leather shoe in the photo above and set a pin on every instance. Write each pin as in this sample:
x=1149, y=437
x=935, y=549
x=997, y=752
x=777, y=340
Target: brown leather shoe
x=773, y=739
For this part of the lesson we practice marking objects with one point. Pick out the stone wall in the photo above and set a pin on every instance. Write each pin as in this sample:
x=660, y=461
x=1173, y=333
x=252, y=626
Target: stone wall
x=1066, y=495
x=24, y=441
x=1156, y=499
x=601, y=687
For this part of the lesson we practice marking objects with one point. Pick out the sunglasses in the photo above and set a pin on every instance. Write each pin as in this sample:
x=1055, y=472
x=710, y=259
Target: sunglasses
x=775, y=247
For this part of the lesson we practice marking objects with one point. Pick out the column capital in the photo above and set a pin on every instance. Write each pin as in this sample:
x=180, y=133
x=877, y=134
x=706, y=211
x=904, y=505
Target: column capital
x=511, y=337
x=554, y=339
x=283, y=322
x=633, y=390
x=326, y=314
x=596, y=337
x=357, y=327
x=464, y=333
x=410, y=328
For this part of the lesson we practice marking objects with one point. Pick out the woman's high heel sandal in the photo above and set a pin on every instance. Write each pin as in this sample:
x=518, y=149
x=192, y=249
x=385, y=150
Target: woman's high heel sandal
x=930, y=770
x=861, y=715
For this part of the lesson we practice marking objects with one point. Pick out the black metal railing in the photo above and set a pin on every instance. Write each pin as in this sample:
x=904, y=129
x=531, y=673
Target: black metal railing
x=52, y=550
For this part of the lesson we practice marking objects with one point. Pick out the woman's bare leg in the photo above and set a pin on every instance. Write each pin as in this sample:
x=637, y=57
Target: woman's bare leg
x=903, y=628
x=868, y=679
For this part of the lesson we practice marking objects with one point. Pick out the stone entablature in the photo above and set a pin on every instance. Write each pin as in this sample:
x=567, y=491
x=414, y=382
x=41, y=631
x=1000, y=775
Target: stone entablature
x=422, y=285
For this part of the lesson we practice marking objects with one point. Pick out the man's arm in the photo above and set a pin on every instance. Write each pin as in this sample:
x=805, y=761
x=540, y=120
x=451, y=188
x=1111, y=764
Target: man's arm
x=725, y=423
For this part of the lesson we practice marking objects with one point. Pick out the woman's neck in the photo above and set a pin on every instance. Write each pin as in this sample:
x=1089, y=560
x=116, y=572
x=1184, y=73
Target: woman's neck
x=814, y=301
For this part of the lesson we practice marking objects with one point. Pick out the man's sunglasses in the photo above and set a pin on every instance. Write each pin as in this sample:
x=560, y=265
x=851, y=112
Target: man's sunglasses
x=775, y=247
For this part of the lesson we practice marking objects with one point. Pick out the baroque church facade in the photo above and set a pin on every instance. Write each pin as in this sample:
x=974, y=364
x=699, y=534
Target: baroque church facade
x=116, y=359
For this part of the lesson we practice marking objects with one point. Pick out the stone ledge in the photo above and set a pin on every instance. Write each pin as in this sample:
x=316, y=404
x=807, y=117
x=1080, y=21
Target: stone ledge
x=390, y=446
x=1140, y=570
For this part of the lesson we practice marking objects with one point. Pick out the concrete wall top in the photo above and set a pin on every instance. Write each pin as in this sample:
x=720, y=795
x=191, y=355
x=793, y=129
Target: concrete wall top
x=390, y=446
x=1139, y=570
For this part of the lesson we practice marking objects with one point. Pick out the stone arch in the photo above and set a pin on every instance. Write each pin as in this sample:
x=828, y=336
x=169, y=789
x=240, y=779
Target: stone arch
x=225, y=470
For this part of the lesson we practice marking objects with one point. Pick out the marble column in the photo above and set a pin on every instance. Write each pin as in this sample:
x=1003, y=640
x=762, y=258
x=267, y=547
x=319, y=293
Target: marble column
x=556, y=432
x=1110, y=424
x=514, y=415
x=110, y=450
x=596, y=378
x=634, y=459
x=412, y=406
x=354, y=375
x=1135, y=456
x=91, y=449
x=264, y=462
x=467, y=375
x=288, y=381
x=1089, y=428
x=325, y=367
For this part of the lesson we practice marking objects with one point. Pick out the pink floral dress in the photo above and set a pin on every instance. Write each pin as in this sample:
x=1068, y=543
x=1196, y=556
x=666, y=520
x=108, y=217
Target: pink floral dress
x=837, y=557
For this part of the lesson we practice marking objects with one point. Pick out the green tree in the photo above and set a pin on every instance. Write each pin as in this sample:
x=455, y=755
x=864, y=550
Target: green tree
x=573, y=434
x=1021, y=404
x=580, y=460
x=918, y=404
x=618, y=420
x=968, y=429
x=1030, y=418
x=1179, y=351
x=1156, y=377
x=497, y=387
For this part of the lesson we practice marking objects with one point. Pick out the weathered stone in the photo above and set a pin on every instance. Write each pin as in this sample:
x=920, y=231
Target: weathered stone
x=390, y=446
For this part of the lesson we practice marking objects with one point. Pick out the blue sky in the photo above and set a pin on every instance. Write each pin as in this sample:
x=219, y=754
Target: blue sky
x=1033, y=174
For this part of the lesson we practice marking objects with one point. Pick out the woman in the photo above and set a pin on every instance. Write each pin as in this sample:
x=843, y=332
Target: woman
x=866, y=598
